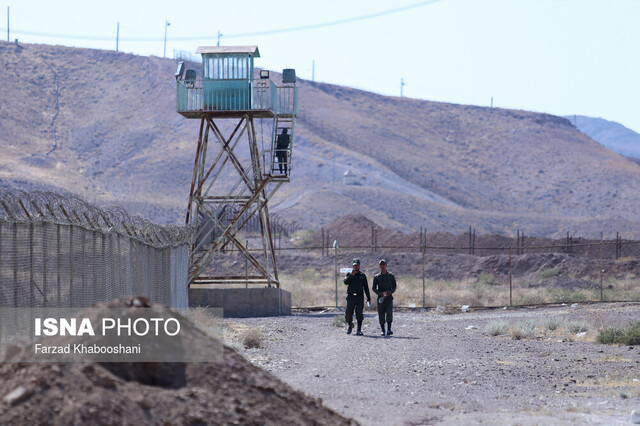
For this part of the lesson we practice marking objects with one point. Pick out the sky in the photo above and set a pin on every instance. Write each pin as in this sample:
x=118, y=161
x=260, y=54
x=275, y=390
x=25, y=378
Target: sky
x=561, y=57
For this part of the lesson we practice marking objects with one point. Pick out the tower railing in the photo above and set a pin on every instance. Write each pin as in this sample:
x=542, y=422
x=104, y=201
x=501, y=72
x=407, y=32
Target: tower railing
x=198, y=96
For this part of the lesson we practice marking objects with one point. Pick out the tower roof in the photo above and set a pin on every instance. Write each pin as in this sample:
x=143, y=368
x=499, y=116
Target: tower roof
x=252, y=50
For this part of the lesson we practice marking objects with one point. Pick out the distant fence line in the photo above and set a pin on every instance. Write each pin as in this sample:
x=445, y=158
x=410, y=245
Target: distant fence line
x=467, y=243
x=60, y=251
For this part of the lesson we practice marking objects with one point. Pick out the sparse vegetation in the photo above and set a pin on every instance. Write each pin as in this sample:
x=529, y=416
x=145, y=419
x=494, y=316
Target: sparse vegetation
x=252, y=338
x=531, y=299
x=316, y=287
x=629, y=335
x=551, y=324
x=548, y=273
x=338, y=321
x=205, y=320
x=488, y=279
x=496, y=328
x=575, y=327
x=568, y=296
x=524, y=329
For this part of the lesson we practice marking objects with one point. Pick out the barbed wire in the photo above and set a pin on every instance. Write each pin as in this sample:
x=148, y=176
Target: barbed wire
x=69, y=209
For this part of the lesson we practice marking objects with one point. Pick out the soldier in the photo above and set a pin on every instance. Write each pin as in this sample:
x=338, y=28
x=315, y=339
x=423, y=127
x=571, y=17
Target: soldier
x=357, y=287
x=384, y=284
x=282, y=147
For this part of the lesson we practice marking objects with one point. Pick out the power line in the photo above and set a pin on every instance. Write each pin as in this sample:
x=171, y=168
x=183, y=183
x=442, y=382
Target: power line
x=338, y=22
x=239, y=35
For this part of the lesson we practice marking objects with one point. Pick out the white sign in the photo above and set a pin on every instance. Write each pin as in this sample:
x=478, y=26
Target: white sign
x=345, y=270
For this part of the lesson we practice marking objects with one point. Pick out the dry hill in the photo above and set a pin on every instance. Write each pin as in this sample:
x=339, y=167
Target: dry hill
x=416, y=163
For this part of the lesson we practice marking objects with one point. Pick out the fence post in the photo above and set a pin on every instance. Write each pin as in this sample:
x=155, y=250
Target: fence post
x=510, y=280
x=84, y=266
x=246, y=265
x=601, y=270
x=31, y=282
x=473, y=247
x=423, y=244
x=335, y=266
x=15, y=264
x=45, y=252
x=94, y=266
x=71, y=271
x=59, y=262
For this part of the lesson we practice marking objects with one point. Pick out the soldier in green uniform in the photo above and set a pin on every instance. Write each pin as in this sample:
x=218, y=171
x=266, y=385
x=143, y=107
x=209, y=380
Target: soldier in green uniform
x=357, y=287
x=384, y=284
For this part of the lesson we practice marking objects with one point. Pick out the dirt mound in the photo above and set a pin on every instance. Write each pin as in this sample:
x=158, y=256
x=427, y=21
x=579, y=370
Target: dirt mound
x=228, y=392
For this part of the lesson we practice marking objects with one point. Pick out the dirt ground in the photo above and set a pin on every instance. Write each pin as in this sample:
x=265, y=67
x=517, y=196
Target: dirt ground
x=228, y=391
x=446, y=369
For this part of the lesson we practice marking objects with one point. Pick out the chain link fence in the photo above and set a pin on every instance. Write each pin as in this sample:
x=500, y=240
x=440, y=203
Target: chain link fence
x=451, y=271
x=60, y=251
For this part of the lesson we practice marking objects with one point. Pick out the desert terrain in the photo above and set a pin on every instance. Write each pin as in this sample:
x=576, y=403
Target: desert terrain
x=450, y=369
x=103, y=125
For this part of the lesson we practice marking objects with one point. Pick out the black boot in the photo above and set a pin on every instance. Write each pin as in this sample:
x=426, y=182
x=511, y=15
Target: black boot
x=389, y=332
x=350, y=328
x=359, y=332
x=382, y=327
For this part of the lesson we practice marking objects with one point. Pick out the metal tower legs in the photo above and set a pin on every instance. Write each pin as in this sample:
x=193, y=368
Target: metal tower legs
x=217, y=217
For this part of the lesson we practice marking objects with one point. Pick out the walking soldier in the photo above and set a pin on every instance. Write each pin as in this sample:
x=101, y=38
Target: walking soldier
x=357, y=287
x=384, y=284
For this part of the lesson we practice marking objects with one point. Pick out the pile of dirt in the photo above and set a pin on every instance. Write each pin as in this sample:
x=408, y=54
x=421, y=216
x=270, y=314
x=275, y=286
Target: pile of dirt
x=231, y=392
x=359, y=231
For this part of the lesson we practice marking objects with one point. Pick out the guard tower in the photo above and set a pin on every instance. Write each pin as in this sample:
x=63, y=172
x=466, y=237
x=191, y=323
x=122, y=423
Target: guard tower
x=228, y=96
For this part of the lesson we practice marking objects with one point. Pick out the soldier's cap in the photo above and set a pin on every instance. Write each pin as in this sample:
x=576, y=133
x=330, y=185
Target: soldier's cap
x=356, y=261
x=382, y=261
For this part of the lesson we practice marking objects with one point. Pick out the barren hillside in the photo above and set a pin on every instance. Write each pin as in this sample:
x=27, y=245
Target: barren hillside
x=613, y=135
x=416, y=163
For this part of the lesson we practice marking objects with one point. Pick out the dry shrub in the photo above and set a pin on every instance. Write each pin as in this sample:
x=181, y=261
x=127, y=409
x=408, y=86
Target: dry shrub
x=496, y=328
x=551, y=323
x=339, y=321
x=206, y=321
x=524, y=329
x=628, y=335
x=252, y=338
x=575, y=327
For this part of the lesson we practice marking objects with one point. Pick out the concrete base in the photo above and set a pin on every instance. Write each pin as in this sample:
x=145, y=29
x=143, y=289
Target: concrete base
x=243, y=302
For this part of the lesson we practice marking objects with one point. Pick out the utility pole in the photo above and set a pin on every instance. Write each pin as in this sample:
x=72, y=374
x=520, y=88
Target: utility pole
x=164, y=52
x=7, y=23
x=117, y=35
x=335, y=266
x=402, y=84
x=219, y=36
x=333, y=170
x=492, y=102
x=313, y=70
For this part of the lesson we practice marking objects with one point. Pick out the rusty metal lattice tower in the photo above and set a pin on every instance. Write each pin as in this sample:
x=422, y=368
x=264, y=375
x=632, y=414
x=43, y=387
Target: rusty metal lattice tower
x=235, y=176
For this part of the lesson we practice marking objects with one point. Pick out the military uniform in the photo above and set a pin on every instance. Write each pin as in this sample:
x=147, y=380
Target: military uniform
x=385, y=283
x=282, y=145
x=357, y=287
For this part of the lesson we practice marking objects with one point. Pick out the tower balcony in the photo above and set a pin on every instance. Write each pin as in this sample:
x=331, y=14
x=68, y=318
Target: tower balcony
x=231, y=98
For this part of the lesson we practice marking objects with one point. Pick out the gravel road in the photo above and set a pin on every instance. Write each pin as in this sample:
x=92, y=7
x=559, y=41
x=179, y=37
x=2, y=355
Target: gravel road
x=436, y=369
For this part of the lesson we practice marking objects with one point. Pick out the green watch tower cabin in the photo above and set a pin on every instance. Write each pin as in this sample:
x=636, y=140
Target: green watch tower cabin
x=230, y=94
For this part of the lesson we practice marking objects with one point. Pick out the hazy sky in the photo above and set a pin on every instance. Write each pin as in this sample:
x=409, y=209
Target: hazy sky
x=557, y=56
